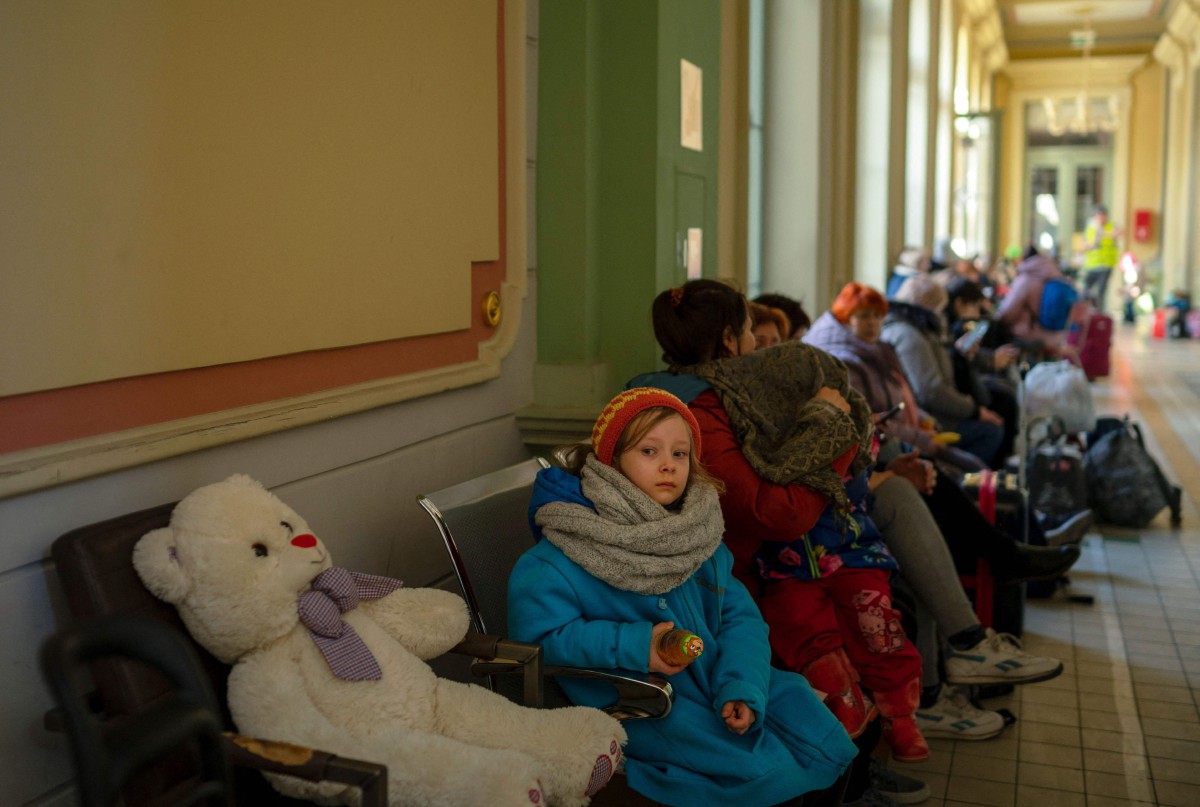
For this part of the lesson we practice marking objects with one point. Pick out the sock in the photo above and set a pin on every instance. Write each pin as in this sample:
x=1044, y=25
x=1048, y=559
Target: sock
x=929, y=695
x=966, y=639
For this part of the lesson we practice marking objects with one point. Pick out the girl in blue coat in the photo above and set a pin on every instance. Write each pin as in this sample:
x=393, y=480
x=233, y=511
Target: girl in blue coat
x=630, y=548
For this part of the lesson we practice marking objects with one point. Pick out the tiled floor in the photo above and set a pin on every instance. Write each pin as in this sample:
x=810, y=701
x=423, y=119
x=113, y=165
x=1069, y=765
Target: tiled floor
x=1121, y=725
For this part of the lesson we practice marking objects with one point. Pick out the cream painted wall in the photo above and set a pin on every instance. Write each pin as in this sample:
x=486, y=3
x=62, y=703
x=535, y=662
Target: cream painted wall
x=1179, y=51
x=186, y=187
x=791, y=150
x=919, y=139
x=1001, y=91
x=1146, y=165
x=944, y=127
x=875, y=205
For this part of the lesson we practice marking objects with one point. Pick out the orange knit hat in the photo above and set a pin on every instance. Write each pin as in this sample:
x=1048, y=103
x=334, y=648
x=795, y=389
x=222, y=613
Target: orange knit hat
x=625, y=407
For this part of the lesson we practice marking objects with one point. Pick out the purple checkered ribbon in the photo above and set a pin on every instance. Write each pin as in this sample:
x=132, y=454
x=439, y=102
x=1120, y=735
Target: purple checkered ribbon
x=335, y=591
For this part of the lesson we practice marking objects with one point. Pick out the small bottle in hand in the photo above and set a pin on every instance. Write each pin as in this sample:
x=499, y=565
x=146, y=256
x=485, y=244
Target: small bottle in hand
x=679, y=647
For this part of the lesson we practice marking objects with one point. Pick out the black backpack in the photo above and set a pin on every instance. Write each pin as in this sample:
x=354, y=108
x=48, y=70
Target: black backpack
x=1056, y=478
x=1125, y=485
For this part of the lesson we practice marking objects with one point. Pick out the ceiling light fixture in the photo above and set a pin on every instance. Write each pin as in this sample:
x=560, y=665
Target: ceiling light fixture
x=1081, y=114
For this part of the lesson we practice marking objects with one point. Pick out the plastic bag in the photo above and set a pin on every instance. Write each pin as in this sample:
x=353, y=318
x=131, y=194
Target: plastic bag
x=1125, y=485
x=1060, y=389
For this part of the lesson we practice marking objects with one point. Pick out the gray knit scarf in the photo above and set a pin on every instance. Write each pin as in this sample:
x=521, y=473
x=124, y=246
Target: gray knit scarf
x=631, y=541
x=785, y=433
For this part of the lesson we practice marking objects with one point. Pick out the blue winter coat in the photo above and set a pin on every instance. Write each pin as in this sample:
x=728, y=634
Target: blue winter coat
x=688, y=757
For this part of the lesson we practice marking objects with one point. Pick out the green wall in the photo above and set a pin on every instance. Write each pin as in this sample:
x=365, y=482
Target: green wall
x=615, y=189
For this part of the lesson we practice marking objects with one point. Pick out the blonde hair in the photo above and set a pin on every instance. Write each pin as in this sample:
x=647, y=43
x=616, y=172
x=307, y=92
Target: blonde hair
x=575, y=455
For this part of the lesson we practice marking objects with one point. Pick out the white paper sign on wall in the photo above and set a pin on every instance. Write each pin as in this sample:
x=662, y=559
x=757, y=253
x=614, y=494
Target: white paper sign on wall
x=691, y=106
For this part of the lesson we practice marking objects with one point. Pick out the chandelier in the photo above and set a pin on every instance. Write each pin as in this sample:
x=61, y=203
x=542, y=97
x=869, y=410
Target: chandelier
x=1082, y=114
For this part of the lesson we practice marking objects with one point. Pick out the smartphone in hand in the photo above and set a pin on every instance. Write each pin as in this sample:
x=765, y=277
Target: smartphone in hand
x=973, y=338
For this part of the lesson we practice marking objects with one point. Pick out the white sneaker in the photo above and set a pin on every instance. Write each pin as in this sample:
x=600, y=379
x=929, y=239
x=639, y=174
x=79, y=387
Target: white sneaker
x=999, y=659
x=955, y=717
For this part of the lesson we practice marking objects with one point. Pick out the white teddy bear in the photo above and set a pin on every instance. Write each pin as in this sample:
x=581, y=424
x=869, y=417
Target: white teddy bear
x=241, y=567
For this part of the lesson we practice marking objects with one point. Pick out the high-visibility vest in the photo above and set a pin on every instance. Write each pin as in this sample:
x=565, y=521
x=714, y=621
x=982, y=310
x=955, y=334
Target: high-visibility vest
x=1103, y=255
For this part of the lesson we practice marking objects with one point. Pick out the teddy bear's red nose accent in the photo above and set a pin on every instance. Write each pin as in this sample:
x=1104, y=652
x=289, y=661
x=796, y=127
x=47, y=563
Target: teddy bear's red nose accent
x=305, y=541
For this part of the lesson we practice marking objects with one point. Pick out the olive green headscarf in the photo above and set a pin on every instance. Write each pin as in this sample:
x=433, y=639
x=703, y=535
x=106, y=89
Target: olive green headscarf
x=785, y=433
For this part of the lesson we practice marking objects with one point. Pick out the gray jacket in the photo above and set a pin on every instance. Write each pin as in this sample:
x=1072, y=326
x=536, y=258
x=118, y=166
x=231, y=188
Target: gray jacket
x=929, y=371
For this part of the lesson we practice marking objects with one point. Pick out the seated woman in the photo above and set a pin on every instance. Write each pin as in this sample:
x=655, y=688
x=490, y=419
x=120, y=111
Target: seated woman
x=982, y=359
x=850, y=331
x=1020, y=310
x=914, y=327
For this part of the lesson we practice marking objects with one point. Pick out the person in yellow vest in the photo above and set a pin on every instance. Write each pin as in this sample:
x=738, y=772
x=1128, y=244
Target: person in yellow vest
x=1100, y=255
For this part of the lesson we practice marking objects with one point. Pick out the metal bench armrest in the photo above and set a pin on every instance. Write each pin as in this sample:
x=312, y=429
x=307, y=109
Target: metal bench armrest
x=309, y=764
x=639, y=695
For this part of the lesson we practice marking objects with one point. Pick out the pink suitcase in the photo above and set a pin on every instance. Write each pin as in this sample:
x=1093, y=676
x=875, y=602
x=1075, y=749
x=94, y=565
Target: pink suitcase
x=1093, y=340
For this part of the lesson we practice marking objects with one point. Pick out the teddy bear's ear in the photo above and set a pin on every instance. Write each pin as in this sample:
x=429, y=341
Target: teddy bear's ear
x=156, y=563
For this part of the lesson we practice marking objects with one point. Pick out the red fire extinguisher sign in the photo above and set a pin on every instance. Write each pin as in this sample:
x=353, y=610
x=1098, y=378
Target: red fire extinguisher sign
x=1141, y=225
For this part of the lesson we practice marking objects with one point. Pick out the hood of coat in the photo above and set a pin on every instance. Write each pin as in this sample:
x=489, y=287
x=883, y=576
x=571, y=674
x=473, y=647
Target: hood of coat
x=684, y=387
x=1039, y=267
x=837, y=339
x=555, y=485
x=922, y=319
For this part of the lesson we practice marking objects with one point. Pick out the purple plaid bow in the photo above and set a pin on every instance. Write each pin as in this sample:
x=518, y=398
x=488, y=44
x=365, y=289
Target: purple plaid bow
x=335, y=591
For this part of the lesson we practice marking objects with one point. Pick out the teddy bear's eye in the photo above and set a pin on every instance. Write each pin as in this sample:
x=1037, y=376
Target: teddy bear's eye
x=260, y=550
x=286, y=526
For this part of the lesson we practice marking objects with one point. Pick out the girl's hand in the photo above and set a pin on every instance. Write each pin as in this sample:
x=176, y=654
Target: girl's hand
x=738, y=716
x=830, y=395
x=656, y=663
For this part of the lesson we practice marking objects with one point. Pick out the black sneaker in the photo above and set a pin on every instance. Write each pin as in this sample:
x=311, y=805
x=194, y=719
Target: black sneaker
x=1033, y=563
x=896, y=787
x=1070, y=531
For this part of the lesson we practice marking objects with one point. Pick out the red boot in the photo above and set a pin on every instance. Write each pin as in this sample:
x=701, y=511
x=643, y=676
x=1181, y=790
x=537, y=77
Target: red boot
x=899, y=728
x=833, y=680
x=868, y=704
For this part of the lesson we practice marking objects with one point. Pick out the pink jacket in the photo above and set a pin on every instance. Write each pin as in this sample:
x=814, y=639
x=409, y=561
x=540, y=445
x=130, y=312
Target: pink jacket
x=1020, y=308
